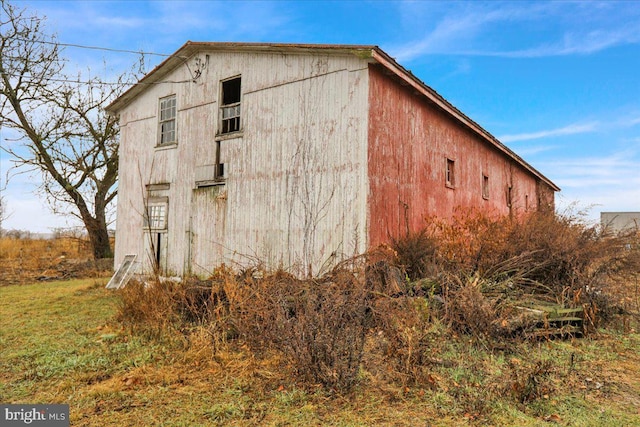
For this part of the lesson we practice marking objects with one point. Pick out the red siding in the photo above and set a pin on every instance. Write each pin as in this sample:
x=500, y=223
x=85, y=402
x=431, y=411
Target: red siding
x=410, y=141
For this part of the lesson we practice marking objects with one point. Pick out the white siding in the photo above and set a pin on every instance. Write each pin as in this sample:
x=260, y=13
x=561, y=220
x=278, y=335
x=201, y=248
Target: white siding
x=295, y=193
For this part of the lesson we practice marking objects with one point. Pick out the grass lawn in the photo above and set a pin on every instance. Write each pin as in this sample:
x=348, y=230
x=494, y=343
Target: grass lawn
x=60, y=343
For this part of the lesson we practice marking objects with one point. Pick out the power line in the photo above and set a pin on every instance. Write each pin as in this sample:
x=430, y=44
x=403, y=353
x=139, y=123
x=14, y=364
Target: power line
x=96, y=81
x=106, y=49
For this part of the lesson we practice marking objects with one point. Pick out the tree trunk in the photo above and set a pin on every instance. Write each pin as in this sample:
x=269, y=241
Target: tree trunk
x=99, y=239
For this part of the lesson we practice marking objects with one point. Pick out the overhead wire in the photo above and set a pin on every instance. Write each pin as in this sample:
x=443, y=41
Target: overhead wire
x=96, y=82
x=106, y=49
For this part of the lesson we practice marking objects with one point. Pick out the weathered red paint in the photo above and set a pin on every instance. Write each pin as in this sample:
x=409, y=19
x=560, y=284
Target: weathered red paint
x=410, y=140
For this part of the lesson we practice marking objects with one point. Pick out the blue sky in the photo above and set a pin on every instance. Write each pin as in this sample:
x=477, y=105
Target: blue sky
x=558, y=82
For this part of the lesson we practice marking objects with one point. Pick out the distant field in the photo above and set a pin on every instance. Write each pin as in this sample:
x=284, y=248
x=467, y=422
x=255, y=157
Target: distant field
x=61, y=344
x=25, y=260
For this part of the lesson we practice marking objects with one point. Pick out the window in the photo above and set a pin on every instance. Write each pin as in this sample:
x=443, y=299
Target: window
x=230, y=106
x=450, y=174
x=485, y=187
x=167, y=120
x=156, y=218
x=219, y=173
x=526, y=202
x=509, y=196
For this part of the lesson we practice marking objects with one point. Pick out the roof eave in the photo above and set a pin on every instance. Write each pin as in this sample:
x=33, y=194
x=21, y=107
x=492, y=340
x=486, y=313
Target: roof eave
x=366, y=52
x=405, y=75
x=190, y=48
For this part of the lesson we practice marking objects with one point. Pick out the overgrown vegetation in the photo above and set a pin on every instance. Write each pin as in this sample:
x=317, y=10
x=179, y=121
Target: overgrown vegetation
x=383, y=314
x=366, y=344
x=26, y=260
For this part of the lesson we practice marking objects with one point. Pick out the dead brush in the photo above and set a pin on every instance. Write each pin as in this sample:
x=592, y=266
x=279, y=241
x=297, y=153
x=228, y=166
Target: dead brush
x=414, y=253
x=467, y=310
x=151, y=307
x=318, y=324
x=399, y=343
x=24, y=259
x=530, y=383
x=543, y=256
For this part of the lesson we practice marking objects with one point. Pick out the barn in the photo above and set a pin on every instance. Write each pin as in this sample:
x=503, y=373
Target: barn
x=296, y=156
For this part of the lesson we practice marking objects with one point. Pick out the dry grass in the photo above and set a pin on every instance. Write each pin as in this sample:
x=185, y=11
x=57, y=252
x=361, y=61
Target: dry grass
x=420, y=332
x=483, y=262
x=25, y=260
x=469, y=275
x=113, y=376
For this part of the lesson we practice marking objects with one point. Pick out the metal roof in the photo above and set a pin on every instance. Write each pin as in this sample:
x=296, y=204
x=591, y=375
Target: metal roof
x=370, y=53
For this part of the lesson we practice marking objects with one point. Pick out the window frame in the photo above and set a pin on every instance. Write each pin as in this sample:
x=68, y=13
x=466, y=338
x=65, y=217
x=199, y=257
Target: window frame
x=150, y=219
x=450, y=173
x=233, y=123
x=162, y=121
x=485, y=186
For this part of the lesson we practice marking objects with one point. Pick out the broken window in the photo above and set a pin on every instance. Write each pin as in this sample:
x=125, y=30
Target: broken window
x=156, y=235
x=167, y=122
x=450, y=173
x=485, y=187
x=124, y=273
x=230, y=106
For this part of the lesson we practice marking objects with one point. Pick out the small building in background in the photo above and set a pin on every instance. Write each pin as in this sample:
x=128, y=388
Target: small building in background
x=620, y=221
x=297, y=156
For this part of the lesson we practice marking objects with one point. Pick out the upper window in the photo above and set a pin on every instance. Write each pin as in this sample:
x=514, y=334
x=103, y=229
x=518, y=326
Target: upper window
x=230, y=106
x=450, y=178
x=167, y=120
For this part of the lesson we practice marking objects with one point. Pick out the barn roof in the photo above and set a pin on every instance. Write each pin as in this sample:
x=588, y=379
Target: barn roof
x=372, y=54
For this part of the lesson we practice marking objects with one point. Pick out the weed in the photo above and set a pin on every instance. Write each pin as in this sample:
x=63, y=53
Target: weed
x=532, y=383
x=415, y=253
x=319, y=324
x=115, y=376
x=26, y=260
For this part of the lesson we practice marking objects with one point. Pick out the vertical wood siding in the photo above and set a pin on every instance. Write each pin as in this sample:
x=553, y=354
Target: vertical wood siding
x=333, y=157
x=300, y=160
x=410, y=141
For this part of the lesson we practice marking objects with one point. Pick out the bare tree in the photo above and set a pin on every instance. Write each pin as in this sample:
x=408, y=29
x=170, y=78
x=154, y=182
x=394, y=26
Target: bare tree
x=64, y=132
x=3, y=210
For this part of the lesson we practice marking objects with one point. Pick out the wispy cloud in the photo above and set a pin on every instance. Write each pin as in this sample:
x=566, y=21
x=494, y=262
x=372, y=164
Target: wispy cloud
x=608, y=180
x=470, y=30
x=566, y=130
x=575, y=43
x=616, y=170
x=450, y=33
x=611, y=182
x=533, y=150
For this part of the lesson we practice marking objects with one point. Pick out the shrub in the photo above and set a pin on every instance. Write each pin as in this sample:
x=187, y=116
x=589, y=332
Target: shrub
x=544, y=256
x=470, y=273
x=415, y=253
x=150, y=307
x=399, y=342
x=319, y=324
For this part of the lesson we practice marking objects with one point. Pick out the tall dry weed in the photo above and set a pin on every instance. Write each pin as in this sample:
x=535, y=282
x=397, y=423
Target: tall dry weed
x=150, y=307
x=399, y=348
x=319, y=324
